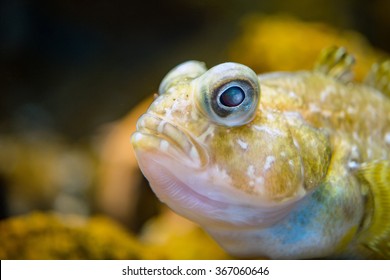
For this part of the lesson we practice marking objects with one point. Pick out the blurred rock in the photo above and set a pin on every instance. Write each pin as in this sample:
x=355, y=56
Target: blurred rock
x=172, y=237
x=39, y=169
x=122, y=192
x=284, y=43
x=50, y=236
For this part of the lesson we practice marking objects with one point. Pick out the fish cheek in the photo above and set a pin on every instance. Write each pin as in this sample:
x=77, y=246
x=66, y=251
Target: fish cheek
x=259, y=162
x=283, y=178
x=315, y=150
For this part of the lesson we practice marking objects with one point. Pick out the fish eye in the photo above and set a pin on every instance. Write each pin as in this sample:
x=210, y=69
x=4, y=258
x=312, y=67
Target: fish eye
x=228, y=94
x=232, y=96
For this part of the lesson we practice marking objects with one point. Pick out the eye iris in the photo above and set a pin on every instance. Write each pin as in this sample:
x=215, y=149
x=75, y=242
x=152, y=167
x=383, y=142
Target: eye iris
x=232, y=97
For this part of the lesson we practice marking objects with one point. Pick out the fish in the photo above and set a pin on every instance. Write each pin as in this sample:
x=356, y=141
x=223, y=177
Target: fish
x=281, y=165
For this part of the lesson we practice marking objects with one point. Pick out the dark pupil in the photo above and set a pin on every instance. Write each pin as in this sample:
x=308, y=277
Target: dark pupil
x=232, y=97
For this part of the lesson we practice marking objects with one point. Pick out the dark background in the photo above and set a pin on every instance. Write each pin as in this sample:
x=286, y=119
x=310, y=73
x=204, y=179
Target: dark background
x=70, y=66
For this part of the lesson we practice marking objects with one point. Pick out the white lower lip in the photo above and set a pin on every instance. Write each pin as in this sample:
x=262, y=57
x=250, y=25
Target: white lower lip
x=198, y=207
x=177, y=195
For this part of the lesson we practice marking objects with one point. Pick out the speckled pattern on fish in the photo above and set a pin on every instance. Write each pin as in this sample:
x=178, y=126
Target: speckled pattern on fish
x=280, y=165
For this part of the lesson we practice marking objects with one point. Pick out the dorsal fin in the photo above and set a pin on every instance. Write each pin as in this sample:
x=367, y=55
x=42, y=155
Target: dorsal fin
x=379, y=77
x=377, y=235
x=335, y=62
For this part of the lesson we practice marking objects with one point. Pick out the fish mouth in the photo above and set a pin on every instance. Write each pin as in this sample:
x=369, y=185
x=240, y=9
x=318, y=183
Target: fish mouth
x=159, y=135
x=186, y=192
x=165, y=155
x=179, y=196
x=176, y=167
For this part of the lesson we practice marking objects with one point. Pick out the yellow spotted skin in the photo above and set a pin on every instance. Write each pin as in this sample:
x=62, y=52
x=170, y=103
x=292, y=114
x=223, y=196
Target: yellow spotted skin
x=281, y=181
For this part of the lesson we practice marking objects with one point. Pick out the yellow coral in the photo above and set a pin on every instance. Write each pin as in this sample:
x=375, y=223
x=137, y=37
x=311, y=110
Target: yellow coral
x=48, y=236
x=283, y=43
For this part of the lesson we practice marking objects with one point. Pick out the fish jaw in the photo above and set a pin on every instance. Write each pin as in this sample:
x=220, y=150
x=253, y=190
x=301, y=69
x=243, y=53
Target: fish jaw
x=182, y=176
x=190, y=194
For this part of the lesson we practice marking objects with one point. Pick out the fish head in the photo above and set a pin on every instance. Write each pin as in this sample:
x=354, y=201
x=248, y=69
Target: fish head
x=213, y=154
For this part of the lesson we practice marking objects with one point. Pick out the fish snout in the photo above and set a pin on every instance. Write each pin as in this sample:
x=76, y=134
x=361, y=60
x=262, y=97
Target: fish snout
x=155, y=134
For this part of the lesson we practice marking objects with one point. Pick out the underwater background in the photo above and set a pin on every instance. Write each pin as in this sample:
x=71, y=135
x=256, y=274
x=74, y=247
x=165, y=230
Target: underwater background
x=75, y=76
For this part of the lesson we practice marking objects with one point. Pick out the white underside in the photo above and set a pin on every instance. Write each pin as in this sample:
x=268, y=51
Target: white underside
x=189, y=193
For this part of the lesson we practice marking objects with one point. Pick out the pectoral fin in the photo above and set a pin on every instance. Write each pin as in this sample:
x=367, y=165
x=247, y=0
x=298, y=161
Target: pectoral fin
x=377, y=235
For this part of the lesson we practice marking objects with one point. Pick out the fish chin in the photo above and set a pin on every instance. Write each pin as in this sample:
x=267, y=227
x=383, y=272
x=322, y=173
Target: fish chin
x=181, y=174
x=189, y=193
